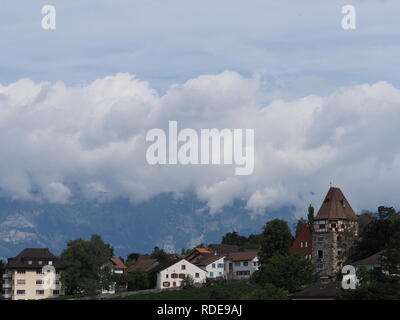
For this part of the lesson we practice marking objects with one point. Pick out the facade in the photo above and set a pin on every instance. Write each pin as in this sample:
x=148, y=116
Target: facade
x=32, y=275
x=214, y=265
x=170, y=275
x=241, y=265
x=335, y=226
x=117, y=267
x=303, y=242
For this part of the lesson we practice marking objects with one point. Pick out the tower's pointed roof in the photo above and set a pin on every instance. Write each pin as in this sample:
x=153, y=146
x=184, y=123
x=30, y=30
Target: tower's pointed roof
x=335, y=206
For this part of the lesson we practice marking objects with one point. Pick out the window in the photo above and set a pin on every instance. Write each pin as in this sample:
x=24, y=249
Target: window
x=237, y=264
x=21, y=271
x=220, y=265
x=56, y=292
x=182, y=276
x=20, y=281
x=183, y=267
x=174, y=275
x=20, y=292
x=40, y=262
x=167, y=276
x=211, y=274
x=245, y=263
x=213, y=265
x=39, y=282
x=197, y=275
x=39, y=292
x=305, y=244
x=50, y=263
x=166, y=284
x=301, y=244
x=39, y=272
x=255, y=264
x=320, y=254
x=322, y=226
x=30, y=262
x=57, y=281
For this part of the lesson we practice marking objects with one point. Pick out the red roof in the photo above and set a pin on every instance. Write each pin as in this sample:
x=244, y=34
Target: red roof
x=304, y=237
x=118, y=264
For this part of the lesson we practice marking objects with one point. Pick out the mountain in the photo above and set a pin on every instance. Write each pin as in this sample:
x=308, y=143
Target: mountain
x=164, y=221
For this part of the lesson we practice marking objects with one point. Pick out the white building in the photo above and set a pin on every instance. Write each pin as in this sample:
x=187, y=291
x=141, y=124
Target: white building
x=117, y=267
x=214, y=265
x=32, y=275
x=170, y=275
x=241, y=265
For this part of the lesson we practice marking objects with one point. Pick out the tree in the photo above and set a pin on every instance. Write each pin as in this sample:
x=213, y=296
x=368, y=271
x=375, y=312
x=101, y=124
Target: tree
x=299, y=225
x=137, y=280
x=159, y=254
x=85, y=266
x=276, y=238
x=290, y=271
x=233, y=238
x=253, y=242
x=187, y=282
x=310, y=216
x=266, y=292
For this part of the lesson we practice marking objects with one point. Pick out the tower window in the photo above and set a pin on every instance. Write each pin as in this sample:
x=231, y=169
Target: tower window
x=320, y=254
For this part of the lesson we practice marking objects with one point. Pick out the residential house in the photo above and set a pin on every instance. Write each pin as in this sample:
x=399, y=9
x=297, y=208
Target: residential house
x=117, y=267
x=241, y=265
x=171, y=274
x=303, y=242
x=32, y=275
x=213, y=264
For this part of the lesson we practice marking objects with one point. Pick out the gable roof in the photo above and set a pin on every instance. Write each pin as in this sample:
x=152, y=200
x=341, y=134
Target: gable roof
x=243, y=255
x=118, y=264
x=335, y=206
x=374, y=260
x=305, y=235
x=162, y=267
x=144, y=264
x=207, y=259
x=223, y=248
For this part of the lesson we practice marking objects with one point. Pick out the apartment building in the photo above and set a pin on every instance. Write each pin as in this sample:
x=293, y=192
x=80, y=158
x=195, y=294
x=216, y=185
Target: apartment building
x=32, y=275
x=241, y=265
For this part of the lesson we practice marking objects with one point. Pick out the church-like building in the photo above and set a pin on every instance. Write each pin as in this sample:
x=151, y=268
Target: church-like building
x=335, y=226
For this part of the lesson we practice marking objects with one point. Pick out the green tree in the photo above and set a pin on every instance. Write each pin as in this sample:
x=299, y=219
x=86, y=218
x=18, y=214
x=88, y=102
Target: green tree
x=85, y=266
x=310, y=216
x=159, y=254
x=290, y=271
x=233, y=238
x=266, y=292
x=187, y=282
x=137, y=280
x=276, y=238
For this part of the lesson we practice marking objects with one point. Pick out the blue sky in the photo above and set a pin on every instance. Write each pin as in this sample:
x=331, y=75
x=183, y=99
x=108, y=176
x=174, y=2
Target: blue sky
x=298, y=47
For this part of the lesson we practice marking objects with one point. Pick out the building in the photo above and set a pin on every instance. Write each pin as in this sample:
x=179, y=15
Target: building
x=145, y=264
x=117, y=267
x=31, y=275
x=213, y=264
x=335, y=226
x=171, y=274
x=303, y=242
x=197, y=254
x=241, y=265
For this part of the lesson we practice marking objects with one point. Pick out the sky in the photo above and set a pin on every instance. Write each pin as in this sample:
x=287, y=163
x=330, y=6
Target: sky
x=76, y=102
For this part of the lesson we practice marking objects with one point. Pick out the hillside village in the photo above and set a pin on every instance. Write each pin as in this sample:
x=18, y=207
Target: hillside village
x=323, y=244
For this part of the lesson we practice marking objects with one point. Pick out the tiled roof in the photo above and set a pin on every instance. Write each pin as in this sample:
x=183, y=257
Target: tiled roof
x=118, y=264
x=29, y=259
x=335, y=206
x=242, y=256
x=144, y=265
x=304, y=235
x=223, y=248
x=209, y=258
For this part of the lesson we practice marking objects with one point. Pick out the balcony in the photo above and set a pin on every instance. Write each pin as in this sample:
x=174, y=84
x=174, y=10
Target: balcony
x=7, y=285
x=7, y=296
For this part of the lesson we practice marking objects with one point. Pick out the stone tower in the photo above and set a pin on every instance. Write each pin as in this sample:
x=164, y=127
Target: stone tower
x=335, y=226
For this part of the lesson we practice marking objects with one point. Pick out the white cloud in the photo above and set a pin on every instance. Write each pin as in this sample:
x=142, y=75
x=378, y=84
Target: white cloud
x=93, y=136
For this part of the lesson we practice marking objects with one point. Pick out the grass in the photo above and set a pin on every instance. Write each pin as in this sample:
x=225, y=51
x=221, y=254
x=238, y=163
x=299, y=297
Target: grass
x=229, y=291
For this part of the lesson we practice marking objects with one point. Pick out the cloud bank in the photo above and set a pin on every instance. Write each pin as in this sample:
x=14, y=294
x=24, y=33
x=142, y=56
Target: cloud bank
x=57, y=141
